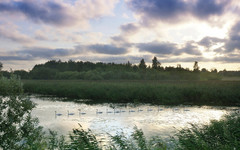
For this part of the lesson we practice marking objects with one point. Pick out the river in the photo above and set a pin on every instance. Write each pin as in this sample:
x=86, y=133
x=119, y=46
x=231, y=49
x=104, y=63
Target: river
x=163, y=121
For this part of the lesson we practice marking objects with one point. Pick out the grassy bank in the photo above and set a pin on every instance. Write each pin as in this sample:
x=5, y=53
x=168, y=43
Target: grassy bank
x=156, y=92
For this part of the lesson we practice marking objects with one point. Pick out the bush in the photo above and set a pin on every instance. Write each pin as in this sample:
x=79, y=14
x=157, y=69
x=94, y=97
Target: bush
x=18, y=130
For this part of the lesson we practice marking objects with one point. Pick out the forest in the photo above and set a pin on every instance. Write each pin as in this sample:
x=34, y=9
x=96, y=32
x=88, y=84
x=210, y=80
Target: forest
x=79, y=70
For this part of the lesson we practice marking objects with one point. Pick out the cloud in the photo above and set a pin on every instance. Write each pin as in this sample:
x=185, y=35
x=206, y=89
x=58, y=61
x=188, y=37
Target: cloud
x=44, y=53
x=228, y=59
x=176, y=10
x=49, y=12
x=157, y=47
x=167, y=48
x=233, y=42
x=205, y=8
x=210, y=41
x=129, y=28
x=8, y=31
x=58, y=13
x=190, y=48
x=180, y=59
x=103, y=49
x=35, y=53
x=14, y=58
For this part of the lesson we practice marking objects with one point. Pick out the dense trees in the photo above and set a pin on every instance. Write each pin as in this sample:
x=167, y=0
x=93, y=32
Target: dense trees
x=1, y=65
x=57, y=69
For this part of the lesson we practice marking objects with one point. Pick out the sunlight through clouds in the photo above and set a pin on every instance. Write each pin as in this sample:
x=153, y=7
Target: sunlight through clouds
x=105, y=29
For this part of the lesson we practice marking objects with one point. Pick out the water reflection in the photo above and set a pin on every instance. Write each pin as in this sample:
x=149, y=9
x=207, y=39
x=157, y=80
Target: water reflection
x=153, y=120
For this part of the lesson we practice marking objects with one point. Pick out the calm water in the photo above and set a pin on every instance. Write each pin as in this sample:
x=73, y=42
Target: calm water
x=153, y=120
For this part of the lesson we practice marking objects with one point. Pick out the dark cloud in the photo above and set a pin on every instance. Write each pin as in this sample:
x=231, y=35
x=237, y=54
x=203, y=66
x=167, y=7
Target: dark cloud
x=14, y=58
x=234, y=38
x=210, y=41
x=107, y=49
x=157, y=47
x=205, y=8
x=172, y=10
x=228, y=59
x=180, y=59
x=44, y=53
x=49, y=12
x=167, y=48
x=119, y=39
x=190, y=48
x=158, y=9
x=48, y=53
x=129, y=28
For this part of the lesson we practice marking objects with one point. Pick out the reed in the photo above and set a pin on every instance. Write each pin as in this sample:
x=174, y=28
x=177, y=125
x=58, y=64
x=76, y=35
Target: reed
x=156, y=92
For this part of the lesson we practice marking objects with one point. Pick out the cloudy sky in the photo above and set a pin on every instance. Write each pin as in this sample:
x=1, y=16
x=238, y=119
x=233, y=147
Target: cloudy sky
x=175, y=31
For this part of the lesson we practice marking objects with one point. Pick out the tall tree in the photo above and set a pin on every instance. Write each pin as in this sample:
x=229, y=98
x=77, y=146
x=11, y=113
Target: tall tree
x=1, y=65
x=142, y=64
x=155, y=63
x=195, y=66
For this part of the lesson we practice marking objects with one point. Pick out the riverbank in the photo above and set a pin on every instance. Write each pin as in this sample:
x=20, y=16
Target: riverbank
x=218, y=93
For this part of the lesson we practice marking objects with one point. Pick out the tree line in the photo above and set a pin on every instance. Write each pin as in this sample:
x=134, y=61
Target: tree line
x=57, y=69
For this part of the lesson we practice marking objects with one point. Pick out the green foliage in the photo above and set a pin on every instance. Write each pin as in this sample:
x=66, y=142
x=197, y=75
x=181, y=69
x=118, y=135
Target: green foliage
x=21, y=73
x=43, y=73
x=156, y=92
x=142, y=64
x=155, y=63
x=12, y=86
x=1, y=66
x=223, y=134
x=71, y=70
x=83, y=140
x=55, y=142
x=18, y=130
x=137, y=141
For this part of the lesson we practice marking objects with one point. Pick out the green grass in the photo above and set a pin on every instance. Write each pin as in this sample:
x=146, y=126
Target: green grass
x=155, y=92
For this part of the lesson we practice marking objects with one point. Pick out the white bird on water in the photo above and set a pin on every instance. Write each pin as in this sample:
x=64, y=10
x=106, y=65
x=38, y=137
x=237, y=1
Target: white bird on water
x=99, y=112
x=57, y=114
x=70, y=114
x=108, y=112
x=131, y=110
x=149, y=109
x=122, y=110
x=80, y=112
x=116, y=111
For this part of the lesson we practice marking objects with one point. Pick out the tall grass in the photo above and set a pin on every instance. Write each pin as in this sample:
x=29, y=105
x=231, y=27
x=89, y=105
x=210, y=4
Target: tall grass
x=156, y=92
x=219, y=135
x=222, y=135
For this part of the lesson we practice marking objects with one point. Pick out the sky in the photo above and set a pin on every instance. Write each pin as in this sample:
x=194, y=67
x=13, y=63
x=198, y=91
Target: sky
x=175, y=31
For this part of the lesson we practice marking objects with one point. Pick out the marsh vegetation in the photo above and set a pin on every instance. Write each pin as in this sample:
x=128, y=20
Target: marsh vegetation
x=155, y=92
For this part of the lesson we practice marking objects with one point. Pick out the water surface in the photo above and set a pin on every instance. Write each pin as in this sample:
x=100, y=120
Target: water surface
x=161, y=121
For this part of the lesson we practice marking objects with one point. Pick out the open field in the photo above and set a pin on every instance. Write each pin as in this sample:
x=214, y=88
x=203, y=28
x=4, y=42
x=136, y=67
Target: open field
x=155, y=92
